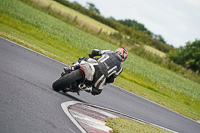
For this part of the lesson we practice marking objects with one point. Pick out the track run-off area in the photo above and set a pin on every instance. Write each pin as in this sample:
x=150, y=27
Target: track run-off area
x=29, y=104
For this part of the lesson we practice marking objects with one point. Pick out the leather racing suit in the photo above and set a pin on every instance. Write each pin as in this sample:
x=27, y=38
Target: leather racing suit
x=108, y=68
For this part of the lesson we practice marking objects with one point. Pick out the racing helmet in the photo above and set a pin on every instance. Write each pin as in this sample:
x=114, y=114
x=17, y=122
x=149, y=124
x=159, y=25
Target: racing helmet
x=123, y=53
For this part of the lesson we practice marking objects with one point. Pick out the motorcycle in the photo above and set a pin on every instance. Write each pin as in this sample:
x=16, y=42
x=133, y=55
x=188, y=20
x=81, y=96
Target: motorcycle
x=77, y=80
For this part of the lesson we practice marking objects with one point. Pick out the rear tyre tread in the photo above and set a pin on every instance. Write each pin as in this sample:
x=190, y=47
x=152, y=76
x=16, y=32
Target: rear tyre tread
x=64, y=81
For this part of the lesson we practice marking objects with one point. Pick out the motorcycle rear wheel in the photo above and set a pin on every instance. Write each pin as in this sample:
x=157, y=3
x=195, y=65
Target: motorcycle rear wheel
x=66, y=80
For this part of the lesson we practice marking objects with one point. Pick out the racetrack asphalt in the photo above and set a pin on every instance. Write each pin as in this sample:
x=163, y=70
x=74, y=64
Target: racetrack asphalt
x=29, y=105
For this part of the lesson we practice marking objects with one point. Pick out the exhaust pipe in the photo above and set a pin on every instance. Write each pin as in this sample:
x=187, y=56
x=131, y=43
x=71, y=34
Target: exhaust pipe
x=81, y=86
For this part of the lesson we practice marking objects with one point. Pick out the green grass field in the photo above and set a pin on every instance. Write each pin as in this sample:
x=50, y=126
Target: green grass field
x=82, y=19
x=121, y=125
x=154, y=51
x=54, y=38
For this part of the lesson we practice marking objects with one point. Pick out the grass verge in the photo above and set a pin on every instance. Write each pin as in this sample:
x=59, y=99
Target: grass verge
x=122, y=125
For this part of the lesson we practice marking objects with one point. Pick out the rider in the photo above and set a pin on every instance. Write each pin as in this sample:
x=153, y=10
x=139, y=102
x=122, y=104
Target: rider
x=108, y=68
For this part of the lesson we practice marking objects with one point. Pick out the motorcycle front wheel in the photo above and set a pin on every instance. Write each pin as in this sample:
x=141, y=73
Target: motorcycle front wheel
x=66, y=80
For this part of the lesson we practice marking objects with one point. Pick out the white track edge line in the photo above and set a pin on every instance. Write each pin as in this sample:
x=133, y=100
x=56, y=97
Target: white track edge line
x=134, y=118
x=32, y=50
x=65, y=106
x=155, y=103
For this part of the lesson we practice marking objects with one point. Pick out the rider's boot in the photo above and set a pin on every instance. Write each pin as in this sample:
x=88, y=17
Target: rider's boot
x=67, y=69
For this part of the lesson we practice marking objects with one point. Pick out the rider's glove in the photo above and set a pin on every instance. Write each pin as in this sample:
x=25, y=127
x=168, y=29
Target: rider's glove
x=91, y=56
x=95, y=52
x=82, y=58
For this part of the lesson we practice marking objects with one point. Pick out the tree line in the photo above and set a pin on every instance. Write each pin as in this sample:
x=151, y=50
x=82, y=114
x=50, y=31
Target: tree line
x=187, y=56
